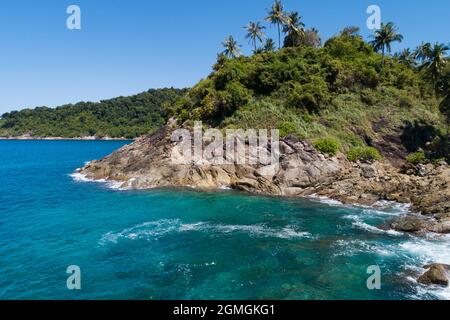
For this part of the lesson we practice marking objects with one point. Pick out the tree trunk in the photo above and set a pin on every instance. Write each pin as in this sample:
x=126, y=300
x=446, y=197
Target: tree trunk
x=382, y=58
x=279, y=36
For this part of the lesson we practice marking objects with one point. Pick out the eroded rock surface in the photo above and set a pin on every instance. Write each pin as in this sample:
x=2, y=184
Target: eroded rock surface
x=301, y=171
x=437, y=274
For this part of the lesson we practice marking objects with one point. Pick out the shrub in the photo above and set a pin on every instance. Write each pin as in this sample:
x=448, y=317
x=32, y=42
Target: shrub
x=327, y=146
x=416, y=158
x=368, y=97
x=365, y=154
x=234, y=96
x=405, y=101
x=287, y=128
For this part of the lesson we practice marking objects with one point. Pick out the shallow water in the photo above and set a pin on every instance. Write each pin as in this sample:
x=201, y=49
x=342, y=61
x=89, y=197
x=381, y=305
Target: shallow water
x=181, y=244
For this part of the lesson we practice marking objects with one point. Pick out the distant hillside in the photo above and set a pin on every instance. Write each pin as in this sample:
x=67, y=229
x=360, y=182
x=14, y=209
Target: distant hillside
x=127, y=117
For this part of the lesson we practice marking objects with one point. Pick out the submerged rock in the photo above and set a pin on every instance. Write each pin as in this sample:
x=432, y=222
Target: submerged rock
x=408, y=224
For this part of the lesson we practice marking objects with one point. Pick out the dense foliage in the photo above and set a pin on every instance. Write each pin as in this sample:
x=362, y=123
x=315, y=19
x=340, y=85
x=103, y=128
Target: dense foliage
x=127, y=117
x=340, y=90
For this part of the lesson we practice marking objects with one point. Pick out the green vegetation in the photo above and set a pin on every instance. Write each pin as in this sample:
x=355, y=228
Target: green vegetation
x=343, y=89
x=255, y=33
x=384, y=37
x=416, y=158
x=364, y=154
x=127, y=117
x=347, y=88
x=327, y=146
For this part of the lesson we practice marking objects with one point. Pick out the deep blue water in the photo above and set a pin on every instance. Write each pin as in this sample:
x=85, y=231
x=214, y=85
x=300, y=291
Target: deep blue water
x=180, y=244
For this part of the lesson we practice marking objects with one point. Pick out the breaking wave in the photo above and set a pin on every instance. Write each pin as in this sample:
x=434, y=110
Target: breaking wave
x=111, y=184
x=156, y=229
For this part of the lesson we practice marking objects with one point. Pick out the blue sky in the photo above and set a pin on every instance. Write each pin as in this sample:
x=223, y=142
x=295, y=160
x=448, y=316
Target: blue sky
x=128, y=46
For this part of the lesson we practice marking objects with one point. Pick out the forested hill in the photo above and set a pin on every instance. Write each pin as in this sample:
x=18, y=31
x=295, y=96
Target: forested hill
x=127, y=117
x=342, y=95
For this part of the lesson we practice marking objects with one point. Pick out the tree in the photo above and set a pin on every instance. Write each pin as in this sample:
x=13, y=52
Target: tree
x=422, y=52
x=435, y=61
x=384, y=37
x=406, y=57
x=255, y=33
x=294, y=30
x=278, y=17
x=312, y=38
x=232, y=49
x=350, y=31
x=269, y=46
x=221, y=59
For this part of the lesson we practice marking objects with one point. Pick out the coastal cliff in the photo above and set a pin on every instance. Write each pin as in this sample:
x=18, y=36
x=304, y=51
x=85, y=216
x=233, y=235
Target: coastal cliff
x=302, y=171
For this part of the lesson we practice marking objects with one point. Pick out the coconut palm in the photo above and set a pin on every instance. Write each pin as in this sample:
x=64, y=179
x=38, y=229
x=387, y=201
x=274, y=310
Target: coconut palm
x=269, y=46
x=293, y=22
x=384, y=37
x=436, y=60
x=255, y=33
x=232, y=49
x=277, y=16
x=422, y=52
x=406, y=57
x=294, y=30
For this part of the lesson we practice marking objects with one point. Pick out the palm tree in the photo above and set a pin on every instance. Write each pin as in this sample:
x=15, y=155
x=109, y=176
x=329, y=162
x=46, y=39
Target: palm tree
x=422, y=52
x=406, y=57
x=269, y=46
x=231, y=47
x=294, y=29
x=436, y=60
x=278, y=17
x=255, y=33
x=293, y=22
x=384, y=37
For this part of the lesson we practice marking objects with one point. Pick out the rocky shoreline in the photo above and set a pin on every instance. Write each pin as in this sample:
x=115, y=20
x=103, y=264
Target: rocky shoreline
x=302, y=171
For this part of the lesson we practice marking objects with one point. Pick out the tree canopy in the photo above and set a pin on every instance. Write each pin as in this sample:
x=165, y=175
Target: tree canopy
x=127, y=117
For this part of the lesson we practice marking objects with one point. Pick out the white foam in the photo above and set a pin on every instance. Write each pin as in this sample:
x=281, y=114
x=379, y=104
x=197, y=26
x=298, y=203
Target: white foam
x=442, y=293
x=79, y=177
x=352, y=247
x=325, y=200
x=111, y=184
x=155, y=229
x=359, y=223
x=430, y=251
x=375, y=212
x=433, y=248
x=401, y=207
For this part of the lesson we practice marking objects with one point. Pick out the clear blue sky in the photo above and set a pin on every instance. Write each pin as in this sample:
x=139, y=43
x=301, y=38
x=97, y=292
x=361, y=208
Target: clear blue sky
x=128, y=46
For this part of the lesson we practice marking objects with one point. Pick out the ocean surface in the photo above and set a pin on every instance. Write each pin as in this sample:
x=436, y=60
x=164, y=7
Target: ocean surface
x=184, y=244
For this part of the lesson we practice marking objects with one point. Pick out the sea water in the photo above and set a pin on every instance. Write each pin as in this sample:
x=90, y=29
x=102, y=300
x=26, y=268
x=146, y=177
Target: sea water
x=185, y=244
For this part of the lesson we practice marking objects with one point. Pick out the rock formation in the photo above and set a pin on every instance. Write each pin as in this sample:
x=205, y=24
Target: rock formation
x=301, y=171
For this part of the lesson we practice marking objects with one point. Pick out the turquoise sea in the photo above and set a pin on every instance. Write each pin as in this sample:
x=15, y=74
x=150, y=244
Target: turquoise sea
x=184, y=244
